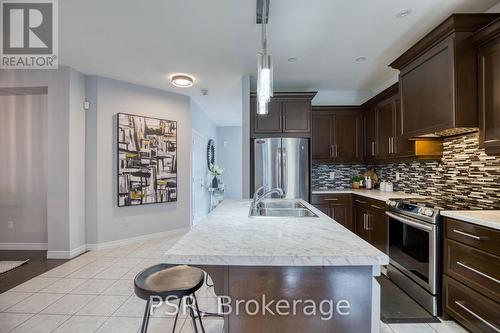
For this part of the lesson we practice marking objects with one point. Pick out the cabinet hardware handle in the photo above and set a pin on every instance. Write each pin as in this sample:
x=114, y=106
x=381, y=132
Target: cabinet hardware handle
x=491, y=141
x=364, y=221
x=460, y=304
x=336, y=151
x=478, y=272
x=390, y=147
x=377, y=207
x=373, y=148
x=331, y=199
x=359, y=201
x=466, y=234
x=369, y=222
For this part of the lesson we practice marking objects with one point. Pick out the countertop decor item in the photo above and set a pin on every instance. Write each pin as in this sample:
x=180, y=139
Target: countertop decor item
x=147, y=160
x=373, y=176
x=356, y=181
x=216, y=196
x=215, y=171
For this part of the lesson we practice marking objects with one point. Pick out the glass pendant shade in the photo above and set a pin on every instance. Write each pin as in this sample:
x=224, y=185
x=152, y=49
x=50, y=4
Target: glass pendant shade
x=264, y=81
x=262, y=107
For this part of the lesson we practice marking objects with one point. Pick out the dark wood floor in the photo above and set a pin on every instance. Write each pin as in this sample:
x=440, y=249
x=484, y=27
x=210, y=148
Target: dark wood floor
x=37, y=264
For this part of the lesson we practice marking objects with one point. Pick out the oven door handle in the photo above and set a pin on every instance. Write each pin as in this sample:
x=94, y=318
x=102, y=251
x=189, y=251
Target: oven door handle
x=410, y=221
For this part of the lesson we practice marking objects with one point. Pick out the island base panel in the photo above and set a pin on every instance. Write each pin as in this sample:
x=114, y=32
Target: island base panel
x=329, y=283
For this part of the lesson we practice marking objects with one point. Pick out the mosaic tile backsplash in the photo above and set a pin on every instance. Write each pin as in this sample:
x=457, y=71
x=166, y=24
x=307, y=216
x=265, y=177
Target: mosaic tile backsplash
x=465, y=178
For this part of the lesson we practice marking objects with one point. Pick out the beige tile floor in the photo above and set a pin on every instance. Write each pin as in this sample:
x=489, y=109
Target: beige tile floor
x=94, y=293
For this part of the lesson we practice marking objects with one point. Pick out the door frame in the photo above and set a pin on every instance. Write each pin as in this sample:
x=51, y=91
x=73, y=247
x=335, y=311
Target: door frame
x=191, y=174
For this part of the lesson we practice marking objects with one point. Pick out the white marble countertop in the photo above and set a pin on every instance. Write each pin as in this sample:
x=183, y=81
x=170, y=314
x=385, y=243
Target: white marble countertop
x=485, y=218
x=373, y=194
x=227, y=236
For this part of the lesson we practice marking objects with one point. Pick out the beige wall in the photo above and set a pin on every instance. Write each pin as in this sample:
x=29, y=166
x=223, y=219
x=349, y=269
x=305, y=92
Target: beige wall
x=105, y=221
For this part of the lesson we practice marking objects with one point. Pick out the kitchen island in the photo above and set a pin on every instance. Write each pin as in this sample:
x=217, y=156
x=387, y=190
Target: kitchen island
x=299, y=260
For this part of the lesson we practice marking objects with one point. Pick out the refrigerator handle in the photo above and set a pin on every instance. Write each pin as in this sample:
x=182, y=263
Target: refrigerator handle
x=284, y=184
x=278, y=166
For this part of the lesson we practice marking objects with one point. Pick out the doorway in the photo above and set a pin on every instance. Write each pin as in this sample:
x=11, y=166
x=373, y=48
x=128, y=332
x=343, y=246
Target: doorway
x=23, y=168
x=199, y=193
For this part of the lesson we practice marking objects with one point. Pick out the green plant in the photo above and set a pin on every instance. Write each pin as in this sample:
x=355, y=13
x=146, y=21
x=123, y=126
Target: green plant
x=356, y=179
x=215, y=170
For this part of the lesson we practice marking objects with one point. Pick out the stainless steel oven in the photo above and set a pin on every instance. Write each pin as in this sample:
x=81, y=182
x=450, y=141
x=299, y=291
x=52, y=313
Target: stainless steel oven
x=415, y=254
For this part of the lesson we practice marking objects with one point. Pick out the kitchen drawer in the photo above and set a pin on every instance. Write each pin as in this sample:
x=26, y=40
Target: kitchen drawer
x=483, y=238
x=476, y=312
x=368, y=203
x=331, y=199
x=376, y=206
x=475, y=268
x=361, y=201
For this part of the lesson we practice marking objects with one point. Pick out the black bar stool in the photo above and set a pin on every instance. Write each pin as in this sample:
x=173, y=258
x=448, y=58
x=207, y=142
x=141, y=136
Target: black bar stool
x=167, y=281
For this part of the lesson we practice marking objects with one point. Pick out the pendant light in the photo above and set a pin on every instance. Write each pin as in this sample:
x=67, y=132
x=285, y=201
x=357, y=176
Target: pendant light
x=264, y=68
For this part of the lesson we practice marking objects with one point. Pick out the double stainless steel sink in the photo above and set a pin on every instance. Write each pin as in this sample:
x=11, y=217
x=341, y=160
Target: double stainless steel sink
x=281, y=208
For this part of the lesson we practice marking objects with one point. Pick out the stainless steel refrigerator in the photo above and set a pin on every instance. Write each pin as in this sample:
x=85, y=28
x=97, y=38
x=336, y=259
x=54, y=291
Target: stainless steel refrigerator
x=283, y=163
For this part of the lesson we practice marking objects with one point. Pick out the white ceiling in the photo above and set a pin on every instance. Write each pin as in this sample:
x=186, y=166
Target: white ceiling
x=216, y=41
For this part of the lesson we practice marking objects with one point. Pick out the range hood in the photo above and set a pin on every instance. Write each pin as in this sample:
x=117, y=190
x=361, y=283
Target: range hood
x=446, y=133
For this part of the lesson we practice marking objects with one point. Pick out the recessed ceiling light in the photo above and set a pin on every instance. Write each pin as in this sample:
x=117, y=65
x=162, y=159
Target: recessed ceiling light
x=360, y=59
x=293, y=59
x=181, y=81
x=403, y=13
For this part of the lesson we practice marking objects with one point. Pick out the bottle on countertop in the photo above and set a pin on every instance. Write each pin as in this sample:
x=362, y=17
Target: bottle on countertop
x=368, y=182
x=383, y=186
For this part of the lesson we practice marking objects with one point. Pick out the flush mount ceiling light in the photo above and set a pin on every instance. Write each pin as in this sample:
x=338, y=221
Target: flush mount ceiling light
x=264, y=68
x=403, y=13
x=181, y=81
x=360, y=59
x=293, y=59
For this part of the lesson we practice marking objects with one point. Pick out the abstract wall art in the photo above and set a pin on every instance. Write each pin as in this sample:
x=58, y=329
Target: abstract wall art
x=147, y=160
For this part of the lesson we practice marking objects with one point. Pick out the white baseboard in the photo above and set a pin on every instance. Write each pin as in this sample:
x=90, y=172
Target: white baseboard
x=90, y=247
x=23, y=246
x=125, y=241
x=67, y=254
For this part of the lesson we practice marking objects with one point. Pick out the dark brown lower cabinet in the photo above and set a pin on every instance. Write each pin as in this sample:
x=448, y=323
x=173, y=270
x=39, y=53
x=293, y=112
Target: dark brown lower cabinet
x=477, y=313
x=337, y=206
x=378, y=227
x=363, y=216
x=471, y=287
x=360, y=215
x=371, y=222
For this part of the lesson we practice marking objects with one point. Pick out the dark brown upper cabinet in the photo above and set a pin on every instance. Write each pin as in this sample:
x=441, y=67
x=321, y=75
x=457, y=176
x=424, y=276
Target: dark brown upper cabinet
x=370, y=122
x=337, y=134
x=437, y=90
x=383, y=139
x=289, y=114
x=488, y=42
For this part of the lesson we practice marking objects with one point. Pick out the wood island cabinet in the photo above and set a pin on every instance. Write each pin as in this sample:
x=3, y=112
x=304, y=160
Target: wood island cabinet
x=289, y=114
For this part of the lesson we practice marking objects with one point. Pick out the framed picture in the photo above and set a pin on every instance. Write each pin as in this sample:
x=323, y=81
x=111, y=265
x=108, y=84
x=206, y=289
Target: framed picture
x=147, y=160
